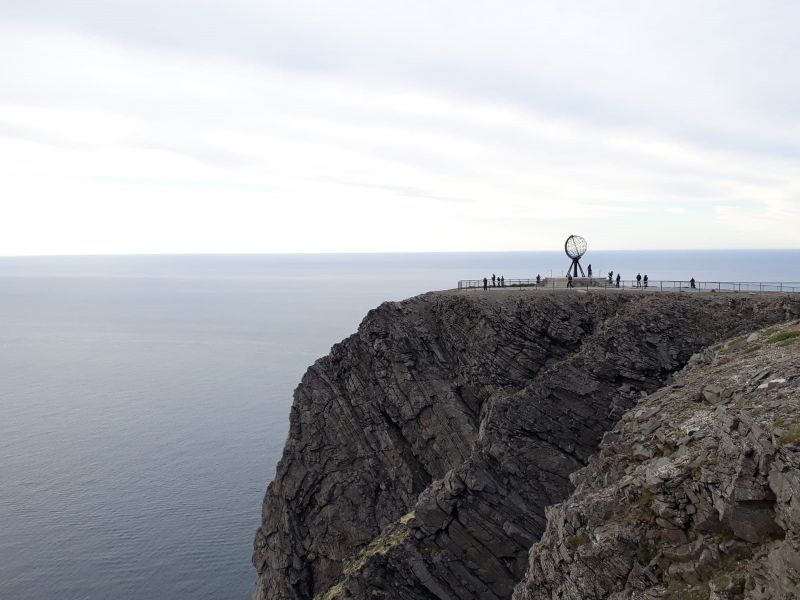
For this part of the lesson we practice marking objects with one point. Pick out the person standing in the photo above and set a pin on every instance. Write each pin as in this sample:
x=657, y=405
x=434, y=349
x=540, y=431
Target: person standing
x=610, y=277
x=538, y=279
x=494, y=281
x=502, y=281
x=485, y=284
x=618, y=279
x=645, y=280
x=692, y=283
x=569, y=280
x=638, y=280
x=589, y=271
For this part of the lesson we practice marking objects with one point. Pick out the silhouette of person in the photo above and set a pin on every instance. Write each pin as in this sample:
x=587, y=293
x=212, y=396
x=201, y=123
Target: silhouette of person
x=502, y=281
x=610, y=277
x=494, y=280
x=485, y=284
x=645, y=280
x=589, y=270
x=638, y=280
x=538, y=279
x=569, y=280
x=692, y=283
x=618, y=278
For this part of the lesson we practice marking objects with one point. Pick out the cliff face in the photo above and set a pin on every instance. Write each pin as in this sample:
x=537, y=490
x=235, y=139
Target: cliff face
x=695, y=494
x=424, y=449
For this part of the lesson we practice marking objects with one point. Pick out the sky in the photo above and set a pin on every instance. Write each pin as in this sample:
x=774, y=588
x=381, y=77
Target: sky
x=249, y=126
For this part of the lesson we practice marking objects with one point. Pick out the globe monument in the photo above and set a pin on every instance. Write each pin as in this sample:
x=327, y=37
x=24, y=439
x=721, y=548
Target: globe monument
x=575, y=247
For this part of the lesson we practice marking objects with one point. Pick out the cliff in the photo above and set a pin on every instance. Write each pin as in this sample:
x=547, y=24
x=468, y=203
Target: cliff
x=424, y=450
x=695, y=494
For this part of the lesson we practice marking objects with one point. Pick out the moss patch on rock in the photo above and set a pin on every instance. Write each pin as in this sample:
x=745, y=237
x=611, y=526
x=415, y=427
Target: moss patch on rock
x=785, y=336
x=395, y=534
x=332, y=593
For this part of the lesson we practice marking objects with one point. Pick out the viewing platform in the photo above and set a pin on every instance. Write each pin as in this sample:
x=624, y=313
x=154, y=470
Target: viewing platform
x=602, y=283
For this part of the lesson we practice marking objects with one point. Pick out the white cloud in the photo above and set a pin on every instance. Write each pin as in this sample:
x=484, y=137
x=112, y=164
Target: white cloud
x=388, y=132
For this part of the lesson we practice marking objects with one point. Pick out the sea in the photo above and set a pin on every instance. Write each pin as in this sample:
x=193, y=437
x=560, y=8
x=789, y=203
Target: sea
x=144, y=400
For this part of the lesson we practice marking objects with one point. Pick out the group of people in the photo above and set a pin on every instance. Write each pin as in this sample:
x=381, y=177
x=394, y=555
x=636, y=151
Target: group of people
x=496, y=281
x=641, y=281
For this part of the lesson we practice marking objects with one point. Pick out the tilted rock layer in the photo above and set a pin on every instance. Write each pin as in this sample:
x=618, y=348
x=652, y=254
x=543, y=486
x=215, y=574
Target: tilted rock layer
x=424, y=449
x=695, y=493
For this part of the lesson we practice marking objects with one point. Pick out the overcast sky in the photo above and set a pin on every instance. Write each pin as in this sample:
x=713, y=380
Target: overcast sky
x=153, y=126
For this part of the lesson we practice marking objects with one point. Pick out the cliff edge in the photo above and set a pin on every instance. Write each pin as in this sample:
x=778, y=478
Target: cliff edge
x=424, y=449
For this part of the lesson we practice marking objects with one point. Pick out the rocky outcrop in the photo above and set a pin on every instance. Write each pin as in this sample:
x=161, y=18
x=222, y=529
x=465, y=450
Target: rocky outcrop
x=695, y=494
x=424, y=449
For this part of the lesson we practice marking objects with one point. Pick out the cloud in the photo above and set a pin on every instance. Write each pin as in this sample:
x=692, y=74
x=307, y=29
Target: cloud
x=413, y=126
x=773, y=219
x=407, y=191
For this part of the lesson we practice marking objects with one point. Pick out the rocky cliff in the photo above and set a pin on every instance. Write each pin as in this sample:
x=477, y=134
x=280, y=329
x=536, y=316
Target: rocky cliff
x=695, y=494
x=424, y=450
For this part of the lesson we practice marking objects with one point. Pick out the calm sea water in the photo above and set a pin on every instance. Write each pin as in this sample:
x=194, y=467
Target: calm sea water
x=144, y=401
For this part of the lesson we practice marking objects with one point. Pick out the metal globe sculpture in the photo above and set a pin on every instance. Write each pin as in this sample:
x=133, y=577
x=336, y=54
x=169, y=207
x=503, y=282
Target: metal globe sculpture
x=575, y=247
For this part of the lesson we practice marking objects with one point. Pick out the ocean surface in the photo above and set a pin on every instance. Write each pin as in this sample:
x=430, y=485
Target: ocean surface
x=144, y=401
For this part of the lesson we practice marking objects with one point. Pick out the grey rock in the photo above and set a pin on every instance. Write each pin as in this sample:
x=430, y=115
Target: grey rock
x=730, y=528
x=424, y=450
x=772, y=383
x=712, y=393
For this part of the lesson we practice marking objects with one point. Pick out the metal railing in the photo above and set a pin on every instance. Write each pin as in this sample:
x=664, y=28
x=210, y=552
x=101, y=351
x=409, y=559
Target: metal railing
x=658, y=285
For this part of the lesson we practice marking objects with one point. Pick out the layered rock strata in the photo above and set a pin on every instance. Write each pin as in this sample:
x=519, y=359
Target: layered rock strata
x=695, y=494
x=424, y=449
